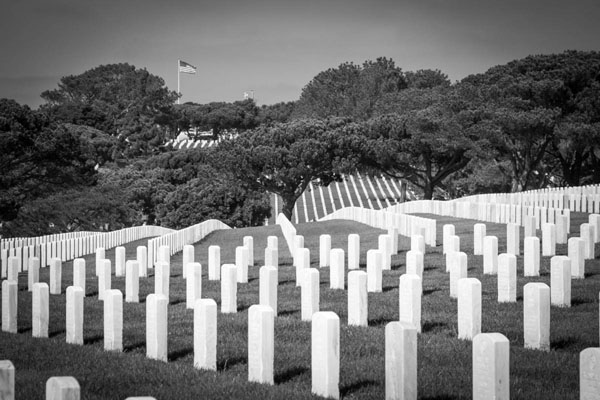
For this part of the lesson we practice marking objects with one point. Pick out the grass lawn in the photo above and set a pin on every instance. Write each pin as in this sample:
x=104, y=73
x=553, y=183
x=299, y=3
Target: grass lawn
x=444, y=362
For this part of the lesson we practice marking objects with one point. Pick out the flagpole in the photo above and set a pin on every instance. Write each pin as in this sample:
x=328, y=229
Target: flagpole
x=178, y=92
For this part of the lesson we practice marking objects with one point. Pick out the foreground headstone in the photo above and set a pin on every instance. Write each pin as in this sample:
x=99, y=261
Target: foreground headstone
x=142, y=259
x=385, y=246
x=417, y=242
x=205, y=334
x=358, y=299
x=576, y=253
x=414, y=263
x=33, y=273
x=162, y=276
x=298, y=242
x=448, y=230
x=530, y=225
x=228, y=288
x=268, y=277
x=490, y=255
x=164, y=254
x=187, y=258
x=62, y=388
x=113, y=320
x=55, y=275
x=273, y=242
x=9, y=306
x=507, y=278
x=337, y=274
x=513, y=239
x=536, y=316
x=74, y=315
x=458, y=270
x=13, y=269
x=193, y=284
x=560, y=281
x=132, y=282
x=393, y=233
x=548, y=239
x=353, y=251
x=324, y=250
x=410, y=300
x=157, y=323
x=79, y=276
x=479, y=231
x=400, y=361
x=586, y=232
x=214, y=263
x=491, y=378
x=261, y=344
x=40, y=310
x=104, y=278
x=309, y=294
x=100, y=255
x=241, y=262
x=302, y=264
x=7, y=380
x=374, y=274
x=561, y=229
x=248, y=242
x=325, y=354
x=120, y=261
x=589, y=374
x=469, y=308
x=531, y=256
x=272, y=257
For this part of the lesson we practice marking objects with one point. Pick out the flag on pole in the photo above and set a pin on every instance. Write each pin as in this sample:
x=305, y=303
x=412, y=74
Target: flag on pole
x=186, y=68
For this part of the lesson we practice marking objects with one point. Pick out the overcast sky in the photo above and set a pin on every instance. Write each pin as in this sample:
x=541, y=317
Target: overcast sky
x=275, y=47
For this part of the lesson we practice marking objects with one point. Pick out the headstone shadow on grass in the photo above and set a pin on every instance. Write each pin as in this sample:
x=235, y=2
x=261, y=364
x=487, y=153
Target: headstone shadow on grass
x=290, y=374
x=224, y=365
x=176, y=355
x=346, y=390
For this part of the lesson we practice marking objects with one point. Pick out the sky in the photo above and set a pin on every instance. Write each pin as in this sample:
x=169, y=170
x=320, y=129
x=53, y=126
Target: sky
x=275, y=47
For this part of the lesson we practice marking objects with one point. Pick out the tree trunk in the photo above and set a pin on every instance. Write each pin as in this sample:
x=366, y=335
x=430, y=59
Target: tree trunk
x=288, y=206
x=428, y=191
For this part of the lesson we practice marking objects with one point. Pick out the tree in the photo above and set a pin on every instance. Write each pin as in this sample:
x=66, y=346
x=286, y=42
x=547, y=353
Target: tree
x=278, y=112
x=219, y=117
x=38, y=158
x=284, y=158
x=426, y=79
x=349, y=90
x=119, y=99
x=428, y=138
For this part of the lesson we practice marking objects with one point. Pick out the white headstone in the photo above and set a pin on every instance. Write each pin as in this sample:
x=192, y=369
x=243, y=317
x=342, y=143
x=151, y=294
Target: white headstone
x=536, y=316
x=310, y=294
x=273, y=242
x=491, y=376
x=13, y=269
x=513, y=239
x=214, y=263
x=157, y=326
x=560, y=281
x=248, y=242
x=79, y=276
x=479, y=231
x=187, y=258
x=272, y=257
x=385, y=246
x=113, y=320
x=205, y=334
x=353, y=251
x=507, y=278
x=241, y=263
x=193, y=284
x=469, y=308
x=7, y=380
x=586, y=232
x=74, y=317
x=120, y=261
x=374, y=274
x=40, y=310
x=164, y=254
x=104, y=278
x=228, y=288
x=100, y=255
x=302, y=263
x=458, y=270
x=447, y=230
x=393, y=233
x=414, y=263
x=298, y=242
x=561, y=229
x=589, y=374
x=337, y=274
x=417, y=242
x=490, y=255
x=548, y=239
x=268, y=277
x=576, y=253
x=33, y=272
x=62, y=388
x=400, y=361
x=324, y=250
x=142, y=259
x=358, y=299
x=325, y=354
x=410, y=300
x=162, y=277
x=261, y=344
x=9, y=306
x=531, y=256
x=55, y=276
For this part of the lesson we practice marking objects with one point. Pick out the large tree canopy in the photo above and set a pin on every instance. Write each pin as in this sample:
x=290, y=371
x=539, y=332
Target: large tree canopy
x=218, y=117
x=118, y=99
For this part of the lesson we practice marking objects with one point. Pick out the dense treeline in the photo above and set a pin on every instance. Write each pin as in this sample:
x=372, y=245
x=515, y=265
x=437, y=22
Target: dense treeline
x=94, y=155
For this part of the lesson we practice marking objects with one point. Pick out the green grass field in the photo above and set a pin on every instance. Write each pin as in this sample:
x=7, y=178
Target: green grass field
x=444, y=362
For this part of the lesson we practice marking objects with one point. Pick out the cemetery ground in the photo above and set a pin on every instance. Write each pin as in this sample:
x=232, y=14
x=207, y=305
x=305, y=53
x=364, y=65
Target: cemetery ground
x=444, y=361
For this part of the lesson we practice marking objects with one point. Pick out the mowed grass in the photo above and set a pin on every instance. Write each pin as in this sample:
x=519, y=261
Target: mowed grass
x=444, y=362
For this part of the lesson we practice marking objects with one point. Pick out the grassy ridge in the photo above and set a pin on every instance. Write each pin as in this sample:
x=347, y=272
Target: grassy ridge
x=444, y=361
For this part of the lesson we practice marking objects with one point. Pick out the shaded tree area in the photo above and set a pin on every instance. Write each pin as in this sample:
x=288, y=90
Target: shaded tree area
x=218, y=117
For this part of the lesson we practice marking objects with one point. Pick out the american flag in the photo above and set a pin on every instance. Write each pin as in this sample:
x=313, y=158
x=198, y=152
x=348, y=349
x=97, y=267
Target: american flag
x=186, y=68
